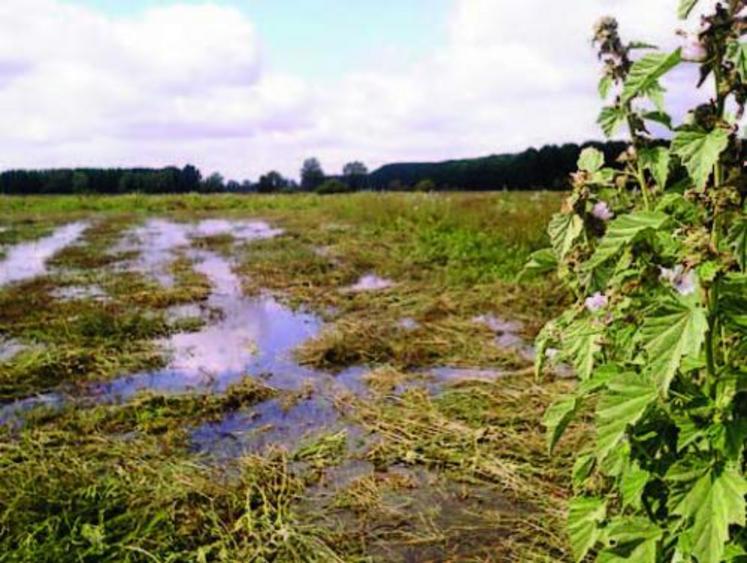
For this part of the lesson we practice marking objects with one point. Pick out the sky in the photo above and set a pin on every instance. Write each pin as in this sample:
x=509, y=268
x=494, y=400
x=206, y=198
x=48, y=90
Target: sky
x=246, y=86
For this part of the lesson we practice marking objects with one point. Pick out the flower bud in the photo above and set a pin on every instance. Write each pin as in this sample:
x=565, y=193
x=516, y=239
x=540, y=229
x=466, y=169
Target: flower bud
x=693, y=49
x=602, y=211
x=597, y=302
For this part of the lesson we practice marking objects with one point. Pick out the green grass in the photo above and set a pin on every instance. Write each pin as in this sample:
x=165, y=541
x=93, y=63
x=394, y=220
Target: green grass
x=458, y=476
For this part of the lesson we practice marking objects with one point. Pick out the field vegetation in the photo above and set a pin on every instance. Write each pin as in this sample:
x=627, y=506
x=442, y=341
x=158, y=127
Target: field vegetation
x=431, y=447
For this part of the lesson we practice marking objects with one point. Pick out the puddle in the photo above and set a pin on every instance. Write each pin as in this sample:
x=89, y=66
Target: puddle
x=159, y=240
x=240, y=230
x=9, y=349
x=12, y=414
x=408, y=324
x=507, y=335
x=266, y=424
x=80, y=293
x=29, y=259
x=253, y=336
x=370, y=282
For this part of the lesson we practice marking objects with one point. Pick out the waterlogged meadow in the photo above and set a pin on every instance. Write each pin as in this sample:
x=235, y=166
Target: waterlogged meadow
x=279, y=378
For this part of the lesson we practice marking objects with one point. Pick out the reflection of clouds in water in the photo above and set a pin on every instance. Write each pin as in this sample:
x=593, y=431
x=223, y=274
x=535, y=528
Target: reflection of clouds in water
x=225, y=347
x=28, y=260
x=242, y=230
x=158, y=239
x=252, y=336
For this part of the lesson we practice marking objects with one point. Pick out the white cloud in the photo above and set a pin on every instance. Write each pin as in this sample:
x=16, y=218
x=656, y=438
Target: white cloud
x=186, y=83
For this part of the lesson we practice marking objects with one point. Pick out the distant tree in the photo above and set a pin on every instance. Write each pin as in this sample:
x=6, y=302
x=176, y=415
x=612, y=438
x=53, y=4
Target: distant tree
x=246, y=186
x=312, y=174
x=189, y=179
x=355, y=174
x=233, y=186
x=333, y=187
x=271, y=182
x=426, y=185
x=396, y=186
x=214, y=183
x=80, y=182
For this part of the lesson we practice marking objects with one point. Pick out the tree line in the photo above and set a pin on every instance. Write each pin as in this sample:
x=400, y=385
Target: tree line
x=546, y=168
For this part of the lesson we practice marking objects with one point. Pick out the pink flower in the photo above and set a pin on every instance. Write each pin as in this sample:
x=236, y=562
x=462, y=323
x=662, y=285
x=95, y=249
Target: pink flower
x=693, y=50
x=597, y=302
x=602, y=211
x=684, y=282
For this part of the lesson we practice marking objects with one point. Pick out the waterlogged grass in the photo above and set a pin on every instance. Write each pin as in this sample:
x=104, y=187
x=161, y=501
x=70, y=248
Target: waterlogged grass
x=419, y=470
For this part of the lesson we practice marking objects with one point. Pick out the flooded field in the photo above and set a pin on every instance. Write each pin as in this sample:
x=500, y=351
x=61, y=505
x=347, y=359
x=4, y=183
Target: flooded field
x=275, y=379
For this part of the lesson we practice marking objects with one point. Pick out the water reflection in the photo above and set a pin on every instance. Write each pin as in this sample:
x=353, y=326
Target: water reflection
x=29, y=259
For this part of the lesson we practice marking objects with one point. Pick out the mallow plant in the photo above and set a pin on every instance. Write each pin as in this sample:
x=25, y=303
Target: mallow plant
x=653, y=244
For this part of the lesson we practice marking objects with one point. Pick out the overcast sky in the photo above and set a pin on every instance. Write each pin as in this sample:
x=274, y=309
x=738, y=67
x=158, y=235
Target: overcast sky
x=244, y=86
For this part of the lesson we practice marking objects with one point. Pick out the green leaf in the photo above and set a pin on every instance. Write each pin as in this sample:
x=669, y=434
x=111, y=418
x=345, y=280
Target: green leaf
x=604, y=87
x=611, y=119
x=676, y=330
x=598, y=380
x=584, y=515
x=540, y=262
x=646, y=72
x=686, y=6
x=656, y=160
x=715, y=502
x=628, y=397
x=582, y=468
x=737, y=240
x=635, y=45
x=660, y=117
x=624, y=230
x=699, y=151
x=737, y=54
x=564, y=229
x=580, y=344
x=631, y=539
x=633, y=481
x=556, y=420
x=591, y=160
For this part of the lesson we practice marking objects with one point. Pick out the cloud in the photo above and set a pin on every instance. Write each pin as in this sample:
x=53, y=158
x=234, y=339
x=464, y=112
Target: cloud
x=188, y=83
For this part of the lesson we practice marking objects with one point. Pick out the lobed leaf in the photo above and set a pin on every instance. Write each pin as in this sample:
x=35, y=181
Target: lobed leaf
x=580, y=343
x=715, y=502
x=564, y=229
x=699, y=151
x=673, y=332
x=610, y=119
x=591, y=160
x=646, y=72
x=628, y=397
x=624, y=230
x=540, y=262
x=631, y=538
x=656, y=160
x=632, y=484
x=584, y=516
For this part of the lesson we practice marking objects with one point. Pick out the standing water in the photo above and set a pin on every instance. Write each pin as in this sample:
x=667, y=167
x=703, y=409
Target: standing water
x=29, y=259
